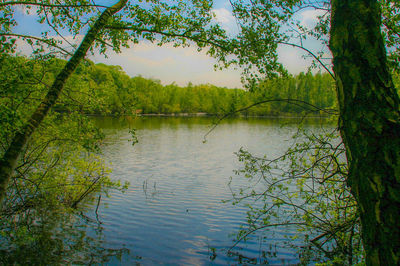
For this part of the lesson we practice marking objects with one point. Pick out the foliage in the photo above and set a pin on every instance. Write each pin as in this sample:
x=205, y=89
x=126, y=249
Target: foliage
x=304, y=190
x=391, y=29
x=58, y=174
x=265, y=26
x=153, y=98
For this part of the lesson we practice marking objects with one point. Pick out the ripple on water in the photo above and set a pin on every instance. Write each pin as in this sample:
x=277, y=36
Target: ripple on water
x=172, y=212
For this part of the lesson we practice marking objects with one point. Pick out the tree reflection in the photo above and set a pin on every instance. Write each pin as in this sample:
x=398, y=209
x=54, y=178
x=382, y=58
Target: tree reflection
x=53, y=237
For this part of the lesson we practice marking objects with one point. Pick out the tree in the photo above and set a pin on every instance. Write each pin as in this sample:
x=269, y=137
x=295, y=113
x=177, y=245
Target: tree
x=368, y=103
x=58, y=175
x=369, y=124
x=155, y=21
x=9, y=160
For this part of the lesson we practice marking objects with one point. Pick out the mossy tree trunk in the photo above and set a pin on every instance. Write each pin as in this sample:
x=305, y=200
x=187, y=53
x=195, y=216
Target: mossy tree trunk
x=369, y=124
x=9, y=160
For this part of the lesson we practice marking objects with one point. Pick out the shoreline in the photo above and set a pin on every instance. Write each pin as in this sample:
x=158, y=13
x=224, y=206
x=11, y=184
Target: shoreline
x=213, y=115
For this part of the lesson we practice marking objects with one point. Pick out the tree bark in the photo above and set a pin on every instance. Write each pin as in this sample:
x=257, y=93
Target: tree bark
x=9, y=161
x=369, y=123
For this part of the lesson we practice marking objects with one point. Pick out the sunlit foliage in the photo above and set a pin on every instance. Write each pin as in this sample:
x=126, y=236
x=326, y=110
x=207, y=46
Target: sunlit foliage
x=59, y=172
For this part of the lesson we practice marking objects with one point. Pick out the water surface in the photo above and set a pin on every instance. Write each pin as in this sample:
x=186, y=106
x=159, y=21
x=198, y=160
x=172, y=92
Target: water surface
x=173, y=212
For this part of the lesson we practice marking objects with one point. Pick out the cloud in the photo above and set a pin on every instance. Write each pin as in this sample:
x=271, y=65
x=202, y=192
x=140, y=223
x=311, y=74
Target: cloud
x=292, y=59
x=222, y=15
x=28, y=10
x=226, y=20
x=309, y=18
x=143, y=47
x=149, y=63
x=170, y=64
x=184, y=65
x=296, y=60
x=23, y=48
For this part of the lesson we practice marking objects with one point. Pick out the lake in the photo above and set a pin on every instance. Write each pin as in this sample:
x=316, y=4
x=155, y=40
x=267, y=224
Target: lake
x=173, y=211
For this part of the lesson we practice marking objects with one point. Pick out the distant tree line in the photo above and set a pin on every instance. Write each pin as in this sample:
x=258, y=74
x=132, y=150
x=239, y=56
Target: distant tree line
x=105, y=89
x=117, y=93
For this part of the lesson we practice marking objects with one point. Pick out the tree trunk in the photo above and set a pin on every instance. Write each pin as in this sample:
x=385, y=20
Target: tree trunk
x=369, y=124
x=10, y=158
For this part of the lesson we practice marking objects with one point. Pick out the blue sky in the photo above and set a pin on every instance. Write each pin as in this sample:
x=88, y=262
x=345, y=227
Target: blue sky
x=184, y=65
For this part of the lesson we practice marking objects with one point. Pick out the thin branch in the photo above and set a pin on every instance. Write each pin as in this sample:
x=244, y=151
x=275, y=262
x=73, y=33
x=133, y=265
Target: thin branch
x=55, y=29
x=169, y=34
x=14, y=3
x=86, y=192
x=48, y=42
x=312, y=54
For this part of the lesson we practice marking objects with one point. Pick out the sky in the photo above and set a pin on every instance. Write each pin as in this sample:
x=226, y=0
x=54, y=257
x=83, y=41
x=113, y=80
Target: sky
x=183, y=65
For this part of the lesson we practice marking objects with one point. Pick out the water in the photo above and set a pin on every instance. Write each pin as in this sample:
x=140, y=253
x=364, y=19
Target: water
x=173, y=212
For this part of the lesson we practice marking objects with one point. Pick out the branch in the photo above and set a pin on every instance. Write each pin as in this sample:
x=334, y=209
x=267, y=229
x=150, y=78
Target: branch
x=14, y=3
x=86, y=192
x=48, y=42
x=168, y=34
x=312, y=54
x=55, y=29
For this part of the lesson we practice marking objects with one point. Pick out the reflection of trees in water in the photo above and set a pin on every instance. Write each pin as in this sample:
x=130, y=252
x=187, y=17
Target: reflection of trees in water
x=54, y=237
x=266, y=254
x=303, y=194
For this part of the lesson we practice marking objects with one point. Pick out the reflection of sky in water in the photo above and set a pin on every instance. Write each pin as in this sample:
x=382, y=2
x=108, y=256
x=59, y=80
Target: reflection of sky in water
x=172, y=212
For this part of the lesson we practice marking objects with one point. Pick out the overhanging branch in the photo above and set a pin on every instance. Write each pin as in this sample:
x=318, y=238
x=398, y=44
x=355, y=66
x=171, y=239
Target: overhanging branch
x=14, y=3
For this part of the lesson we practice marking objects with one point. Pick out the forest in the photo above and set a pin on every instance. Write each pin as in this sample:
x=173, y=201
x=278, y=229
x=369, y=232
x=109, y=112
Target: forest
x=107, y=90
